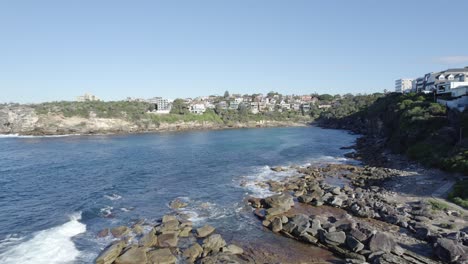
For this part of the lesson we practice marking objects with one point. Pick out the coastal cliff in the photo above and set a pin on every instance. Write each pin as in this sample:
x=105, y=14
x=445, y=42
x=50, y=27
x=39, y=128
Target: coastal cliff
x=27, y=120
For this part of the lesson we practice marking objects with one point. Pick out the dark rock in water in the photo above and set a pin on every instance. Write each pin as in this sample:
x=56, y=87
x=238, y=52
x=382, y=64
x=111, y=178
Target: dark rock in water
x=103, y=233
x=334, y=238
x=309, y=238
x=205, y=231
x=255, y=202
x=111, y=253
x=161, y=256
x=283, y=200
x=120, y=231
x=260, y=213
x=381, y=242
x=277, y=169
x=134, y=255
x=354, y=244
x=177, y=204
x=450, y=251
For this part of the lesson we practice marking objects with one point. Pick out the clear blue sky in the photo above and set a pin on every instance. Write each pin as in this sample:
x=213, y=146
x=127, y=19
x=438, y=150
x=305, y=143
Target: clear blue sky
x=56, y=50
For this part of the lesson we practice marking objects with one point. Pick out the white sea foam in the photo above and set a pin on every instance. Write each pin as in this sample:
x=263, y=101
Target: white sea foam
x=106, y=211
x=113, y=197
x=50, y=246
x=255, y=182
x=31, y=136
x=198, y=212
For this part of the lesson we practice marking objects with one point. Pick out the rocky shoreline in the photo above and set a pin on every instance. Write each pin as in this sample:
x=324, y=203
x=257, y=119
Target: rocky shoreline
x=166, y=242
x=25, y=121
x=362, y=222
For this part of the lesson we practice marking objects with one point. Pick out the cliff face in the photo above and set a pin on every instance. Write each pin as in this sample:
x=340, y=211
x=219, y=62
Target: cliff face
x=17, y=118
x=25, y=121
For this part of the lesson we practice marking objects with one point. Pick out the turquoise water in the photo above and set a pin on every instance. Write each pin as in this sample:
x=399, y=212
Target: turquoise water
x=57, y=193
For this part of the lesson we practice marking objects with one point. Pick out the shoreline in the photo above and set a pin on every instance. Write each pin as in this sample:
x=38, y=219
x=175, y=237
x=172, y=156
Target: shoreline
x=168, y=128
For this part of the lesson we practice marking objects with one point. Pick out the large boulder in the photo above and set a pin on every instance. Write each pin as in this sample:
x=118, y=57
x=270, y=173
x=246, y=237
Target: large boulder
x=205, y=231
x=354, y=244
x=120, y=231
x=302, y=223
x=276, y=225
x=161, y=256
x=110, y=253
x=134, y=255
x=450, y=251
x=213, y=243
x=334, y=238
x=381, y=242
x=283, y=200
x=168, y=239
x=177, y=204
x=192, y=253
x=149, y=240
x=170, y=226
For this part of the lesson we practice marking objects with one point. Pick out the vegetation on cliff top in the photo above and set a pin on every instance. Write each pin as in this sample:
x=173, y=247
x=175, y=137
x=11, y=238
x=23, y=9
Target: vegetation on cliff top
x=414, y=125
x=139, y=112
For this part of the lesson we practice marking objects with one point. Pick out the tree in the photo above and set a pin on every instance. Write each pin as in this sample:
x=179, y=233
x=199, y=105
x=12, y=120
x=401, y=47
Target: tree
x=325, y=97
x=226, y=94
x=179, y=107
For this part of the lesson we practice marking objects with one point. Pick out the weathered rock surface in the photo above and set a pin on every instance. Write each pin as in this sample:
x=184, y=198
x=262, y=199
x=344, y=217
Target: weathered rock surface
x=161, y=256
x=110, y=253
x=134, y=255
x=205, y=231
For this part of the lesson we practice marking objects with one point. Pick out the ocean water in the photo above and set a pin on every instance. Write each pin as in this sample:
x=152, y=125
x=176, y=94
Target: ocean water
x=56, y=193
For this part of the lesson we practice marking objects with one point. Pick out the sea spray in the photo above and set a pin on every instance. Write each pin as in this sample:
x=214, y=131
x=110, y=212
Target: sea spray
x=52, y=245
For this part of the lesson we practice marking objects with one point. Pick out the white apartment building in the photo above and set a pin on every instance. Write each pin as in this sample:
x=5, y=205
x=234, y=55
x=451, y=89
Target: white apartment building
x=87, y=98
x=197, y=109
x=403, y=85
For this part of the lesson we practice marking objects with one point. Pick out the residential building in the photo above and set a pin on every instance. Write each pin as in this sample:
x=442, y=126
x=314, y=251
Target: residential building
x=197, y=108
x=305, y=107
x=222, y=105
x=403, y=85
x=233, y=105
x=161, y=105
x=254, y=107
x=296, y=107
x=87, y=98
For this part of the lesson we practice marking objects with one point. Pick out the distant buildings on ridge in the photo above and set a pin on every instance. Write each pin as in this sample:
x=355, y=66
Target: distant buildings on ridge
x=87, y=98
x=451, y=86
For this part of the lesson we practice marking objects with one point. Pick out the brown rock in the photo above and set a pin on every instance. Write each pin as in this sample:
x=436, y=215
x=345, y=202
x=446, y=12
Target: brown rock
x=205, y=231
x=168, y=240
x=161, y=256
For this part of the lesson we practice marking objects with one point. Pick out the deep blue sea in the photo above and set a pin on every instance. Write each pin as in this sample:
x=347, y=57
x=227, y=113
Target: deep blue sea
x=56, y=193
